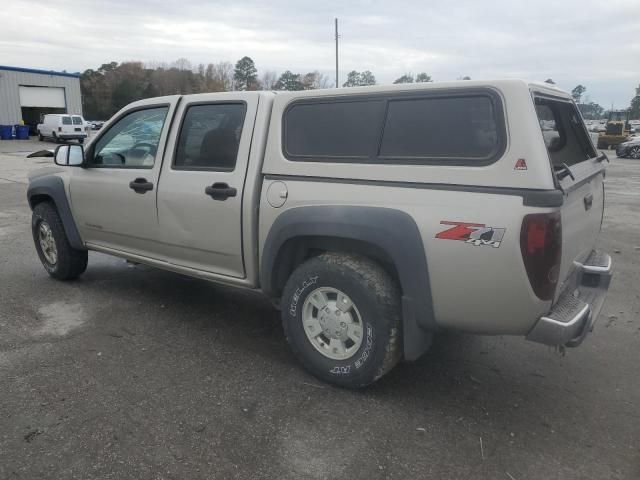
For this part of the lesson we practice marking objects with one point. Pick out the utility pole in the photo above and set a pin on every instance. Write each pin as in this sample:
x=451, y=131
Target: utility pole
x=337, y=36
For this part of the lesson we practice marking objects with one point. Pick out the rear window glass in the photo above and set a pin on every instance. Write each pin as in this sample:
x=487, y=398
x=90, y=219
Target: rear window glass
x=463, y=129
x=334, y=130
x=66, y=120
x=563, y=131
x=77, y=120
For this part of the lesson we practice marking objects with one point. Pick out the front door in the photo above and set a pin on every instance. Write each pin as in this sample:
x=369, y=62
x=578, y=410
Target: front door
x=114, y=197
x=201, y=186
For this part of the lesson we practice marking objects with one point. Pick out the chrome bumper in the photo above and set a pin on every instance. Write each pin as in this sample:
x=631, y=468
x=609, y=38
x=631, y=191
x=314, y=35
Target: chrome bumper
x=573, y=315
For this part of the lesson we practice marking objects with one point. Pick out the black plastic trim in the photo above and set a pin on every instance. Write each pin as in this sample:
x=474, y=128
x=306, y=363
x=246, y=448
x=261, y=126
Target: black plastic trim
x=530, y=197
x=393, y=231
x=52, y=187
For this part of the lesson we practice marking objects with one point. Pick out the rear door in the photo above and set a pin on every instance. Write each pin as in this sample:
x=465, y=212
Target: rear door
x=202, y=183
x=578, y=173
x=66, y=125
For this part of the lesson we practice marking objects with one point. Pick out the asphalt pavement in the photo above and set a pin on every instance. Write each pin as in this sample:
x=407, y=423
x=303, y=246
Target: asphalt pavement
x=136, y=373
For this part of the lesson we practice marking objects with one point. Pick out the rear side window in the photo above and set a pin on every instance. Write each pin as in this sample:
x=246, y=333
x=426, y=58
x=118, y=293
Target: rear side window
x=77, y=120
x=436, y=128
x=348, y=130
x=210, y=137
x=66, y=120
x=463, y=128
x=564, y=133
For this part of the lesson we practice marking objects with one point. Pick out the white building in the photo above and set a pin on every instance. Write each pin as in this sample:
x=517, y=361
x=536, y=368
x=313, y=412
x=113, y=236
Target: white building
x=27, y=94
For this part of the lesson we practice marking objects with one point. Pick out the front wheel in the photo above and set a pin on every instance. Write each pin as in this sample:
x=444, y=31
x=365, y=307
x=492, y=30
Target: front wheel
x=40, y=136
x=58, y=257
x=341, y=315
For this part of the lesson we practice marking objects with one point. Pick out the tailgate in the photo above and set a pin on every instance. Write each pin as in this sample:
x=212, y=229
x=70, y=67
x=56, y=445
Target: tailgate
x=578, y=172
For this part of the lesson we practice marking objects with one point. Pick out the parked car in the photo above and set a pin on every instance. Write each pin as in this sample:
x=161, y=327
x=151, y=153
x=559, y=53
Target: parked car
x=629, y=149
x=96, y=124
x=60, y=127
x=373, y=217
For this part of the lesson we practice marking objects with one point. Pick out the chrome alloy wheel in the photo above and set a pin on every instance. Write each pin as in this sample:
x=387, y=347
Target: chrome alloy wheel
x=332, y=323
x=47, y=243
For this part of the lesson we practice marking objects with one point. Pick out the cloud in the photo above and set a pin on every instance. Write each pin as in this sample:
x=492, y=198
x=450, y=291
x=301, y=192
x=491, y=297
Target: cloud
x=593, y=43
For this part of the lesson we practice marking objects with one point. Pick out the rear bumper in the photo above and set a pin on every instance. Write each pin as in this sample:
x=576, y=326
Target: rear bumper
x=575, y=312
x=71, y=136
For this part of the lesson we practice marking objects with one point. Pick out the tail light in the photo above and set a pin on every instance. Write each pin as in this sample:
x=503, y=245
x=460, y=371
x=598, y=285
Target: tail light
x=59, y=129
x=541, y=247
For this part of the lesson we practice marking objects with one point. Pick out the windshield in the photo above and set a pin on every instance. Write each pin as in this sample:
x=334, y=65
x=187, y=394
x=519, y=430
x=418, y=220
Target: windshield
x=563, y=130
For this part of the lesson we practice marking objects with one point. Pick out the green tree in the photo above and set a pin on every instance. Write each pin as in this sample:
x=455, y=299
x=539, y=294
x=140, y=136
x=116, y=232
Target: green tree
x=289, y=81
x=245, y=74
x=634, y=109
x=577, y=93
x=359, y=79
x=406, y=78
x=423, y=78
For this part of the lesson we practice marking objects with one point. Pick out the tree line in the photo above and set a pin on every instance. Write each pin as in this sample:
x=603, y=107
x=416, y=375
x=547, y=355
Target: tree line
x=593, y=111
x=110, y=87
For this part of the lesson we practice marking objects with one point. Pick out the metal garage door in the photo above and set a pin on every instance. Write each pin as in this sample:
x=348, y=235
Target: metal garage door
x=51, y=97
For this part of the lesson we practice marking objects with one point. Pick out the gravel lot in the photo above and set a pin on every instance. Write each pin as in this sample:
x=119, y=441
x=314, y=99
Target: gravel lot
x=136, y=373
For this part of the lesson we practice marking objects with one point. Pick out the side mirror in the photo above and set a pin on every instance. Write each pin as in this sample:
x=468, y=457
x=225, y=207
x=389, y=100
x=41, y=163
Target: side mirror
x=69, y=155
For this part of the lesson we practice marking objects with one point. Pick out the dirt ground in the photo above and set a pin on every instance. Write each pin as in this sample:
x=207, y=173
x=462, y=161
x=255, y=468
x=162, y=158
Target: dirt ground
x=136, y=373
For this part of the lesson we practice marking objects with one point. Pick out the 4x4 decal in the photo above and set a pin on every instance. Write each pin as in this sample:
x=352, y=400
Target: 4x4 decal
x=473, y=233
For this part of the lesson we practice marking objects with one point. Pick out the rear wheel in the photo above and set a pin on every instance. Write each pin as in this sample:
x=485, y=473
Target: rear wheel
x=58, y=257
x=634, y=152
x=341, y=316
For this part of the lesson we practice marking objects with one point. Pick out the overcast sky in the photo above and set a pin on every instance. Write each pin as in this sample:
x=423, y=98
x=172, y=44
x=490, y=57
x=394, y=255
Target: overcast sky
x=595, y=43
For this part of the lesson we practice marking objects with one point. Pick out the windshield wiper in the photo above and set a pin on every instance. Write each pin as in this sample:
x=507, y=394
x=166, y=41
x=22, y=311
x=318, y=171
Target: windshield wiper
x=563, y=171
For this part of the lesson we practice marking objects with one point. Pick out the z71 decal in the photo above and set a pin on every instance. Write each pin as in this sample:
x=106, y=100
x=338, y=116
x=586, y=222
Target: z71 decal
x=473, y=233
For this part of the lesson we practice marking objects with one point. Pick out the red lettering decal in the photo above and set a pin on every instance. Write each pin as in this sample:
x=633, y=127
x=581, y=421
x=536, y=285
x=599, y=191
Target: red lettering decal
x=460, y=231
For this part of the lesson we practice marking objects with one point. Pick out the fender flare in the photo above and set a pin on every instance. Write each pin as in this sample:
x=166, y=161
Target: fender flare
x=393, y=231
x=52, y=186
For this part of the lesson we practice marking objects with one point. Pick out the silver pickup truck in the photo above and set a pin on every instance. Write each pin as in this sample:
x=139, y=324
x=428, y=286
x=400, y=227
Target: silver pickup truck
x=373, y=217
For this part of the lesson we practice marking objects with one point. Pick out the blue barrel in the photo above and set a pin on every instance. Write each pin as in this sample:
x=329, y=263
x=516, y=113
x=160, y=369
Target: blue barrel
x=6, y=132
x=22, y=132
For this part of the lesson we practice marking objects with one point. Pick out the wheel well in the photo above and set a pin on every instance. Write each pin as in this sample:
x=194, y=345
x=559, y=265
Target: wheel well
x=297, y=250
x=39, y=198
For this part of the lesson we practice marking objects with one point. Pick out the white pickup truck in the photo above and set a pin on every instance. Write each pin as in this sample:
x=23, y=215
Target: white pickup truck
x=373, y=217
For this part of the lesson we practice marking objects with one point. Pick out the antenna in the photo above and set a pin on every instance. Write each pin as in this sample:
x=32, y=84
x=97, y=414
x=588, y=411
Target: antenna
x=337, y=36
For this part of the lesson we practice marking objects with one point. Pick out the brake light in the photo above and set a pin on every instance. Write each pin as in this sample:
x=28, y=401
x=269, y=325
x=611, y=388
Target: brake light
x=541, y=247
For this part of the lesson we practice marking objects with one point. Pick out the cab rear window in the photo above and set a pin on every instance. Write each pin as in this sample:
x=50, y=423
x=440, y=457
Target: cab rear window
x=563, y=131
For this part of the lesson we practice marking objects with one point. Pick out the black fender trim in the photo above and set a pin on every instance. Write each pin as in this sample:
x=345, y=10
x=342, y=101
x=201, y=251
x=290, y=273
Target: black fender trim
x=52, y=186
x=393, y=231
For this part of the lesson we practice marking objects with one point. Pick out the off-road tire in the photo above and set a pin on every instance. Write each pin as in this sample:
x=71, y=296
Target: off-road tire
x=70, y=262
x=377, y=297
